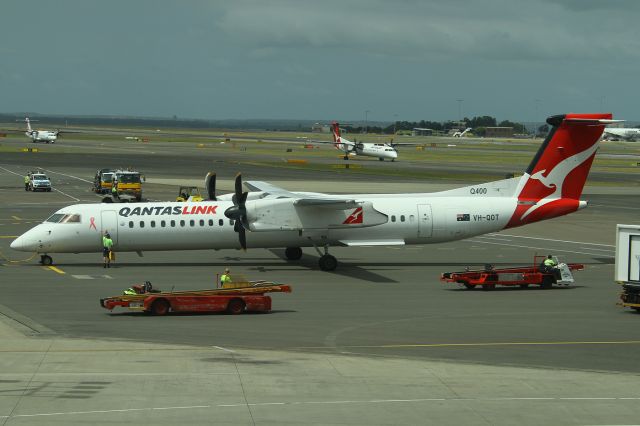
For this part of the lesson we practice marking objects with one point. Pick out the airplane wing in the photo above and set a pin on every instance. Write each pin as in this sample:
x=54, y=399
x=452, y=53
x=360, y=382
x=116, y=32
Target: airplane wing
x=307, y=199
x=280, y=209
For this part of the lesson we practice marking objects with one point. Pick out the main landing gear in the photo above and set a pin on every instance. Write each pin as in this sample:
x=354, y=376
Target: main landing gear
x=326, y=261
x=46, y=260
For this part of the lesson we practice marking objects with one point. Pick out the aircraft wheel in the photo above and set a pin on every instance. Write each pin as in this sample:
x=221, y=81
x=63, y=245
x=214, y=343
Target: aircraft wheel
x=293, y=253
x=46, y=260
x=393, y=159
x=346, y=157
x=381, y=159
x=328, y=262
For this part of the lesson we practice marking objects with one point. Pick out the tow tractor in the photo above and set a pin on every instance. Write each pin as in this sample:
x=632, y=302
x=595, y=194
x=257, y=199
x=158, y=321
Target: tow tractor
x=243, y=297
x=522, y=276
x=627, y=265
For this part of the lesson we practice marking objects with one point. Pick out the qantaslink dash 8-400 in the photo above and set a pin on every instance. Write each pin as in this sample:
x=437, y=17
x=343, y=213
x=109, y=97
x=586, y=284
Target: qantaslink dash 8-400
x=272, y=217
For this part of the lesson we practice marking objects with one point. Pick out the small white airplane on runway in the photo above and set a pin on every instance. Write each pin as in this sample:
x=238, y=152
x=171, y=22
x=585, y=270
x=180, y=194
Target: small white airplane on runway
x=274, y=217
x=46, y=136
x=365, y=149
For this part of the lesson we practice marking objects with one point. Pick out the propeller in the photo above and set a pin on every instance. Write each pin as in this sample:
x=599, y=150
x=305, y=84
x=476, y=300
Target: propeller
x=238, y=212
x=210, y=184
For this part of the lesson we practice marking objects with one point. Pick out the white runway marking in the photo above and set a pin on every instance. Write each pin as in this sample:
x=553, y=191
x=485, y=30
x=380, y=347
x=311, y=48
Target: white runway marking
x=335, y=402
x=57, y=190
x=64, y=174
x=543, y=248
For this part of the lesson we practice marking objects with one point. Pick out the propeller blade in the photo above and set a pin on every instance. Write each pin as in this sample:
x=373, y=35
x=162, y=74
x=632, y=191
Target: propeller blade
x=210, y=185
x=238, y=185
x=242, y=236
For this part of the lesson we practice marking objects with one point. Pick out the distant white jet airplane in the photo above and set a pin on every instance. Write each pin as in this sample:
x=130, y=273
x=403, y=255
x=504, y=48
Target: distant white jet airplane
x=461, y=134
x=273, y=217
x=621, y=133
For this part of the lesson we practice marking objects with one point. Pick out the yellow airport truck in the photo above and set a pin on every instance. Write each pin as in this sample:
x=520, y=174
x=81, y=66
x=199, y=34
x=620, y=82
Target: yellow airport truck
x=128, y=183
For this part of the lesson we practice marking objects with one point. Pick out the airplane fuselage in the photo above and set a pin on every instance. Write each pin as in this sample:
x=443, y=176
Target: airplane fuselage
x=411, y=219
x=42, y=135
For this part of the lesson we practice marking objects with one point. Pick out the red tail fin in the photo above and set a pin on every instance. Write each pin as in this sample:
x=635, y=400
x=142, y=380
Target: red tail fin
x=555, y=178
x=335, y=126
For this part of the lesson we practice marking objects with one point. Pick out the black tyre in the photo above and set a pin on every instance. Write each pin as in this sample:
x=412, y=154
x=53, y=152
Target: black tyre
x=293, y=253
x=160, y=307
x=547, y=282
x=381, y=159
x=524, y=286
x=46, y=260
x=235, y=306
x=468, y=286
x=488, y=287
x=328, y=262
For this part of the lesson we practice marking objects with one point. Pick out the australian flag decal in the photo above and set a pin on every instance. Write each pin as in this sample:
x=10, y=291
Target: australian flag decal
x=463, y=217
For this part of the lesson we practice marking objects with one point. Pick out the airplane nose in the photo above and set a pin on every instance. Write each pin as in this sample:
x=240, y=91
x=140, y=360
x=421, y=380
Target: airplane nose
x=24, y=243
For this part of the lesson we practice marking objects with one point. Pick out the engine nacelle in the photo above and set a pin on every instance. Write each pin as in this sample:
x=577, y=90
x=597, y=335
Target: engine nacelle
x=284, y=214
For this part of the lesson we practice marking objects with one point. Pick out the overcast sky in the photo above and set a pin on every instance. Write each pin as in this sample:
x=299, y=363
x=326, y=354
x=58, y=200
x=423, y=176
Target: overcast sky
x=404, y=59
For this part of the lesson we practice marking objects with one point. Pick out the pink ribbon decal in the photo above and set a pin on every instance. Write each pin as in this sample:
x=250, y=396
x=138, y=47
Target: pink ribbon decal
x=93, y=223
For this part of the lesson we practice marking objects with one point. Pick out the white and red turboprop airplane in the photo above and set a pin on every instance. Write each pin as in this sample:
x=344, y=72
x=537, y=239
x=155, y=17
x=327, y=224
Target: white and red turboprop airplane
x=274, y=217
x=379, y=150
x=47, y=136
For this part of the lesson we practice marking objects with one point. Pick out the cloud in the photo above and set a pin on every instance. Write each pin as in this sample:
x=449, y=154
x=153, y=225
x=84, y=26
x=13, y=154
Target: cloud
x=505, y=30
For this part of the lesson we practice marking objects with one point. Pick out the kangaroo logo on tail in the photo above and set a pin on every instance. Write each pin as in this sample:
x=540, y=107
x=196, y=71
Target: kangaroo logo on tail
x=555, y=178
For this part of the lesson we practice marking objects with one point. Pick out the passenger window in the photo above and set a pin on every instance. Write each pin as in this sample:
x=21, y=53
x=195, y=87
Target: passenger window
x=192, y=222
x=130, y=224
x=173, y=223
x=182, y=223
x=220, y=222
x=201, y=222
x=142, y=224
x=401, y=218
x=163, y=223
x=153, y=223
x=210, y=222
x=393, y=218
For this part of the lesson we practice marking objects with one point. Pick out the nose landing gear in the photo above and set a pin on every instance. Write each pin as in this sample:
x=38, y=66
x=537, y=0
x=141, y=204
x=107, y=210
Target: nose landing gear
x=46, y=260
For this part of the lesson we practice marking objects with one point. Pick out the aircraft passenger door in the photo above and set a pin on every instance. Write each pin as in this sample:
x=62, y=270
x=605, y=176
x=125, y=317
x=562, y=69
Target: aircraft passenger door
x=109, y=223
x=425, y=221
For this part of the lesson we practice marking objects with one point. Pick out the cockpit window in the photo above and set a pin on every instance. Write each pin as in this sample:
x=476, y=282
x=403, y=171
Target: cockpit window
x=55, y=218
x=71, y=218
x=64, y=218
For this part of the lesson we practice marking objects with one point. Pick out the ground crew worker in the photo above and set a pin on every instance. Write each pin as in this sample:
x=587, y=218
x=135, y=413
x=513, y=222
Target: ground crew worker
x=107, y=244
x=130, y=291
x=114, y=190
x=550, y=263
x=26, y=182
x=225, y=278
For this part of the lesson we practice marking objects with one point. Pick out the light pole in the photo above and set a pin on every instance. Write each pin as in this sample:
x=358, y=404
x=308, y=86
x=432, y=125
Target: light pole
x=366, y=121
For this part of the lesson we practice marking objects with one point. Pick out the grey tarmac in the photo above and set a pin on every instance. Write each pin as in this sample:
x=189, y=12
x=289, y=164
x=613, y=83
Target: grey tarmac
x=380, y=341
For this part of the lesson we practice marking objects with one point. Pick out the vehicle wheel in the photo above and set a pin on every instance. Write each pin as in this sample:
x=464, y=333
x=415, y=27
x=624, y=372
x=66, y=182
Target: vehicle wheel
x=235, y=307
x=160, y=307
x=547, y=282
x=488, y=287
x=328, y=262
x=346, y=157
x=293, y=253
x=46, y=260
x=107, y=200
x=48, y=189
x=468, y=286
x=524, y=285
